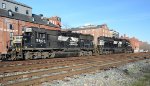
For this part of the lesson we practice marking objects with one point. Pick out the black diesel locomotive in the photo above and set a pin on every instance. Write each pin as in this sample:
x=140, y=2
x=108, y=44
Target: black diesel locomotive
x=38, y=43
x=108, y=45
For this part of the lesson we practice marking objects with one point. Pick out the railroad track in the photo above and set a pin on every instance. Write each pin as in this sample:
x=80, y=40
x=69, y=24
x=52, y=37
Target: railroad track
x=67, y=69
x=39, y=65
x=46, y=65
x=64, y=69
x=42, y=61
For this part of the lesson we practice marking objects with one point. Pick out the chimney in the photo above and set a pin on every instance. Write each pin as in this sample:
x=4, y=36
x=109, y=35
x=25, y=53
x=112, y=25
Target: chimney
x=125, y=36
x=55, y=20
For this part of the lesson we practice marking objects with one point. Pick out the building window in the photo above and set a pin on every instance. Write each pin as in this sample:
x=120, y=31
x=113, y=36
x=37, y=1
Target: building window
x=23, y=28
x=11, y=43
x=37, y=35
x=43, y=35
x=3, y=5
x=27, y=12
x=33, y=19
x=10, y=26
x=48, y=22
x=16, y=9
x=58, y=19
x=11, y=34
x=10, y=13
x=103, y=31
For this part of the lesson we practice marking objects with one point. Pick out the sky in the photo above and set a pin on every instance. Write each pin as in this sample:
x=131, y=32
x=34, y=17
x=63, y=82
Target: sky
x=130, y=17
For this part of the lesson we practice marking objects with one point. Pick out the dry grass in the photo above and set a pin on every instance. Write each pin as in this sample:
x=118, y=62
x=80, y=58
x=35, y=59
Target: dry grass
x=144, y=81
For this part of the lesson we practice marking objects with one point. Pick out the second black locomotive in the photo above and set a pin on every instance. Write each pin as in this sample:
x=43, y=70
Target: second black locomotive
x=110, y=45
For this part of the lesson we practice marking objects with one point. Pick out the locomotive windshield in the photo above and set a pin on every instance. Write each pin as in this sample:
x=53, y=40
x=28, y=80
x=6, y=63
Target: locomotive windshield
x=27, y=37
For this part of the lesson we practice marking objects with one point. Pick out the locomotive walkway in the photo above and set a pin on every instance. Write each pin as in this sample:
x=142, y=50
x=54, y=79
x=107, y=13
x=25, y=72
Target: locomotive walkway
x=35, y=72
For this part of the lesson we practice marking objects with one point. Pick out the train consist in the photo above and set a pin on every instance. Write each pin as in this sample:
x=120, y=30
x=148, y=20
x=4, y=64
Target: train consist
x=108, y=45
x=36, y=43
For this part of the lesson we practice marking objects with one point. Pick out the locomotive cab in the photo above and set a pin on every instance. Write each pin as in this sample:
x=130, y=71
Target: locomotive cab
x=32, y=38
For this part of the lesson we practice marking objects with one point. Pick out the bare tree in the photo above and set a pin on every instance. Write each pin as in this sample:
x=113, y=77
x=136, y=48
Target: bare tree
x=66, y=26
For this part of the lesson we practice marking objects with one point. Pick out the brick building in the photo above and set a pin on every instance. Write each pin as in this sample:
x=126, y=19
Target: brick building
x=96, y=31
x=135, y=43
x=14, y=23
x=55, y=20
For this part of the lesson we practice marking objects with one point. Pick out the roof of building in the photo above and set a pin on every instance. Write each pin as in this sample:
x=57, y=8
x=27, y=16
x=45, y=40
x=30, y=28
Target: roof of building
x=34, y=18
x=18, y=3
x=85, y=28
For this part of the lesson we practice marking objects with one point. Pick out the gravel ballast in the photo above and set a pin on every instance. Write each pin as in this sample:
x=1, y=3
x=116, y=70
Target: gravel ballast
x=125, y=75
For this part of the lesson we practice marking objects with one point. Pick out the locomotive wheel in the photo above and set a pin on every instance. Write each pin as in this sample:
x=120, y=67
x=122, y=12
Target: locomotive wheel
x=34, y=57
x=27, y=56
x=101, y=52
x=12, y=56
x=3, y=57
x=52, y=55
x=106, y=52
x=90, y=53
x=45, y=55
x=111, y=52
x=125, y=51
x=81, y=53
x=85, y=53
